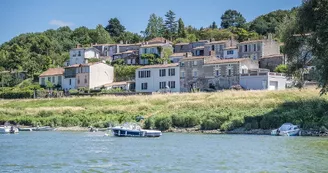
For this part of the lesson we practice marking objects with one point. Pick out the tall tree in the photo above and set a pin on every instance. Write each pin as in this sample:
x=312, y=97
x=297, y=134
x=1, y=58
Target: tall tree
x=170, y=24
x=213, y=25
x=232, y=18
x=155, y=27
x=311, y=18
x=115, y=28
x=81, y=35
x=181, y=29
x=100, y=35
x=129, y=37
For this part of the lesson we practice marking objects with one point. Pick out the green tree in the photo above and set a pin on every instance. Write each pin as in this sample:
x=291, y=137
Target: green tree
x=217, y=34
x=232, y=18
x=155, y=27
x=100, y=35
x=213, y=25
x=311, y=18
x=243, y=34
x=181, y=29
x=129, y=37
x=115, y=28
x=268, y=23
x=171, y=25
x=81, y=35
x=282, y=68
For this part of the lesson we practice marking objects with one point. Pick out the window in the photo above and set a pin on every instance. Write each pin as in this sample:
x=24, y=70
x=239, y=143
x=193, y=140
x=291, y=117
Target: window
x=49, y=79
x=221, y=47
x=254, y=47
x=229, y=72
x=182, y=64
x=183, y=74
x=85, y=79
x=172, y=84
x=217, y=73
x=195, y=73
x=144, y=74
x=59, y=80
x=162, y=72
x=245, y=48
x=43, y=81
x=213, y=47
x=78, y=80
x=144, y=86
x=230, y=52
x=162, y=85
x=53, y=79
x=172, y=72
x=70, y=81
x=195, y=63
x=79, y=54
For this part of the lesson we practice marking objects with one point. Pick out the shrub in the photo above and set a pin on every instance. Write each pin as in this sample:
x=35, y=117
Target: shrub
x=255, y=124
x=16, y=94
x=248, y=126
x=149, y=123
x=44, y=113
x=163, y=123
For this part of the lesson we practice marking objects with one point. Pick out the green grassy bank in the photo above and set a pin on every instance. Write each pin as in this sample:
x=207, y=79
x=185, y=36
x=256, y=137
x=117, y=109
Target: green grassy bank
x=223, y=110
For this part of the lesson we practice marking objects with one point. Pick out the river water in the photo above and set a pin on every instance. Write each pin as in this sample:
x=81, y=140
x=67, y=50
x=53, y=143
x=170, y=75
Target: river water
x=94, y=152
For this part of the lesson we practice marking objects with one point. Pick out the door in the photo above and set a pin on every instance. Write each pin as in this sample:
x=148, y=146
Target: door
x=273, y=85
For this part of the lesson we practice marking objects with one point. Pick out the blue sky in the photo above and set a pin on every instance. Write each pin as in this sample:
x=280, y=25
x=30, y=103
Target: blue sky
x=22, y=16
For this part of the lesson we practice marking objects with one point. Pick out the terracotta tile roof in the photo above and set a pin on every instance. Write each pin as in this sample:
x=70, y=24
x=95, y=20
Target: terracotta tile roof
x=136, y=44
x=272, y=56
x=153, y=45
x=222, y=61
x=217, y=42
x=53, y=72
x=83, y=65
x=160, y=66
x=199, y=47
x=180, y=44
x=158, y=39
x=195, y=57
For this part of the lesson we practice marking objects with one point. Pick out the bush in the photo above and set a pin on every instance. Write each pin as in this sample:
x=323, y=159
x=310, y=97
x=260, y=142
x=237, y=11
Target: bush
x=163, y=123
x=16, y=94
x=149, y=123
x=44, y=113
x=248, y=126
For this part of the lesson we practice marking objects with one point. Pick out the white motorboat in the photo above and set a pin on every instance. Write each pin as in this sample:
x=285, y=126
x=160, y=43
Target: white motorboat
x=287, y=129
x=133, y=130
x=8, y=129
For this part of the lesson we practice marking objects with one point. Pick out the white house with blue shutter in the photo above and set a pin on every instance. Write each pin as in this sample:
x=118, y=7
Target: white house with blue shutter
x=158, y=78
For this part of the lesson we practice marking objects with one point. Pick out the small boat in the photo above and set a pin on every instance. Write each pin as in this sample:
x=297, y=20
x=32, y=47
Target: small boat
x=287, y=129
x=133, y=130
x=44, y=128
x=27, y=129
x=9, y=129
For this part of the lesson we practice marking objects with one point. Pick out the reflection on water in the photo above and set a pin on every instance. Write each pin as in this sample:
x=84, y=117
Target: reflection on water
x=94, y=152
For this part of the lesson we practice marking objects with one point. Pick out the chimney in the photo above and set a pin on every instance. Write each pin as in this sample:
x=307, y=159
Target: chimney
x=91, y=45
x=231, y=38
x=78, y=46
x=165, y=41
x=121, y=42
x=270, y=36
x=210, y=40
x=249, y=39
x=147, y=43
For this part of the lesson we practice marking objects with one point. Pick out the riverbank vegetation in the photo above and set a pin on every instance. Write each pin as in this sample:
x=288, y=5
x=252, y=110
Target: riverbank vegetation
x=226, y=110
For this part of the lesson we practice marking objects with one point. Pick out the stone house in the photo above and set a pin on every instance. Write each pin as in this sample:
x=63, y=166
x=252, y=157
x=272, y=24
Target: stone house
x=176, y=57
x=218, y=47
x=256, y=49
x=192, y=72
x=272, y=61
x=182, y=47
x=80, y=55
x=224, y=73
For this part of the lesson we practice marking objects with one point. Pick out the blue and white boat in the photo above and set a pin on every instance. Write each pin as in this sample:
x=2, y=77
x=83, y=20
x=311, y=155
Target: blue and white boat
x=287, y=129
x=133, y=130
x=8, y=129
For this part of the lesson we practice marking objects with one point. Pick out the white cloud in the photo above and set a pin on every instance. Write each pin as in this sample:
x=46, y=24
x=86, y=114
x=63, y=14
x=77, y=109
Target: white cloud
x=60, y=23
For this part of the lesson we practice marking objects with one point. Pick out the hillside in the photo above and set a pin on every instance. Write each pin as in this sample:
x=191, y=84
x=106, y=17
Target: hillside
x=223, y=110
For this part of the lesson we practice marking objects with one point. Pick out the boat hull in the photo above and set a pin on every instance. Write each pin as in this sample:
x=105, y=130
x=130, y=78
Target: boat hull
x=6, y=130
x=135, y=133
